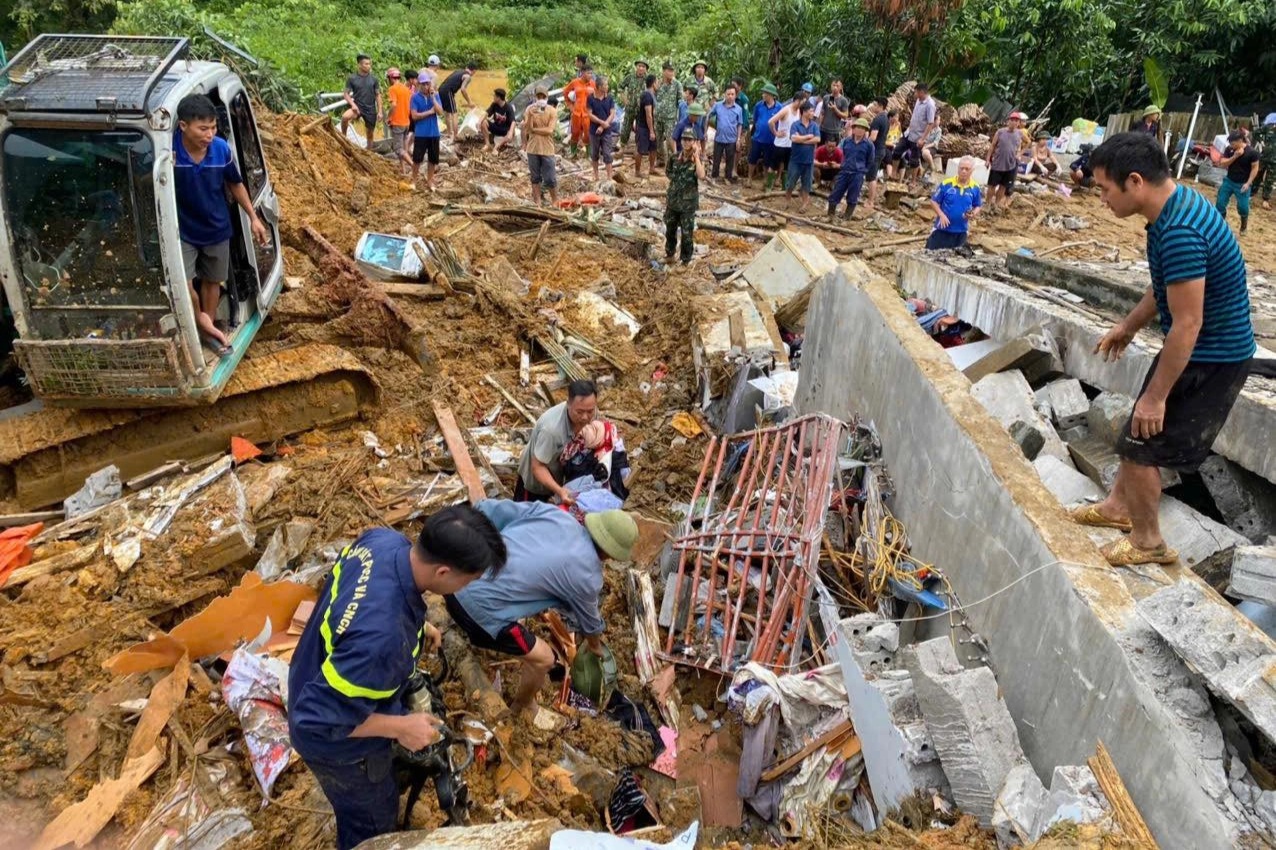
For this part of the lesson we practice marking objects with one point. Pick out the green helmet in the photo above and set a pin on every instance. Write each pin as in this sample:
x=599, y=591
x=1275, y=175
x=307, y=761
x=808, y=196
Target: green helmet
x=594, y=677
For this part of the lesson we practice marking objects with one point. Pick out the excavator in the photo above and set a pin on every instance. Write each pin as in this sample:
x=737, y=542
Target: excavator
x=101, y=319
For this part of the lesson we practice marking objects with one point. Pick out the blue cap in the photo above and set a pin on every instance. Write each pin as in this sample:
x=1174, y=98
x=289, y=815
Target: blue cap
x=808, y=88
x=1270, y=119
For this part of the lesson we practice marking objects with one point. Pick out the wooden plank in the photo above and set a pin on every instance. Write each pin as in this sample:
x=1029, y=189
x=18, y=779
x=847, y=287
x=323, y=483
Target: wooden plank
x=72, y=643
x=540, y=237
x=426, y=291
x=1123, y=808
x=146, y=479
x=457, y=447
x=829, y=738
x=15, y=520
x=488, y=379
x=50, y=566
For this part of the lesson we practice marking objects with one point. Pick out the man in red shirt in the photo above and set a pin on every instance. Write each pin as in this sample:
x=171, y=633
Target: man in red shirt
x=828, y=161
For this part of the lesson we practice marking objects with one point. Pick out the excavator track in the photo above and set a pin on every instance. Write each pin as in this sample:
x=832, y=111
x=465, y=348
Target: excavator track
x=46, y=454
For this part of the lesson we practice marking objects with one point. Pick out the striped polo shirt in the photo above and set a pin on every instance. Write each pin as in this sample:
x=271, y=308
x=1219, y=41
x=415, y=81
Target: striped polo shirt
x=1190, y=240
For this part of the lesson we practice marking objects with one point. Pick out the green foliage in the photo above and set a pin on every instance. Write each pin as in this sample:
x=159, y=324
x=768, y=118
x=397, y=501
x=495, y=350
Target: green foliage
x=1158, y=86
x=25, y=19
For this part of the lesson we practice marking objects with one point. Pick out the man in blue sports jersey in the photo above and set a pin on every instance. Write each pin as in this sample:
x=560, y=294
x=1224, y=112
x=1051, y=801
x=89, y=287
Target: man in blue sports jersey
x=1199, y=295
x=347, y=676
x=203, y=170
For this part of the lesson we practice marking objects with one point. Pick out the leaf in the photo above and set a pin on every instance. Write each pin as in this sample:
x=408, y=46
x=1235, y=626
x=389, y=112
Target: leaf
x=1158, y=85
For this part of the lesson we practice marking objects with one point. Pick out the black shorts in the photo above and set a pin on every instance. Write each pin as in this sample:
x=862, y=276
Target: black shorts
x=1003, y=178
x=514, y=639
x=448, y=101
x=642, y=138
x=1195, y=410
x=423, y=146
x=781, y=158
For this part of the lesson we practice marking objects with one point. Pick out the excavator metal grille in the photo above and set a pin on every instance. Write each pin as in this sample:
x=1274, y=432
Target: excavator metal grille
x=88, y=73
x=115, y=371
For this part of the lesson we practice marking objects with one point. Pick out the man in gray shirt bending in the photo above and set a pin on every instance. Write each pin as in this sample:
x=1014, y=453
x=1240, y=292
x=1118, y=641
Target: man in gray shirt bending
x=923, y=120
x=552, y=561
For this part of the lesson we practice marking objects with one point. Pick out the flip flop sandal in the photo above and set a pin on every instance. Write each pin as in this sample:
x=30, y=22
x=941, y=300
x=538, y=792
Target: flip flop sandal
x=224, y=350
x=1123, y=553
x=1089, y=515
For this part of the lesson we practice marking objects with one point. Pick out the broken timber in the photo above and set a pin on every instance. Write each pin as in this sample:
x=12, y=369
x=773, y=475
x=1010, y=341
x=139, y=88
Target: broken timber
x=633, y=238
x=460, y=452
x=414, y=338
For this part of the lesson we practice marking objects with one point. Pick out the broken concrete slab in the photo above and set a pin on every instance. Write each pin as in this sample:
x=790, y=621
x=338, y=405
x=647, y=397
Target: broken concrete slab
x=968, y=722
x=100, y=488
x=1017, y=547
x=1237, y=661
x=1003, y=311
x=1075, y=796
x=1068, y=404
x=1068, y=485
x=899, y=755
x=966, y=355
x=786, y=265
x=1254, y=574
x=712, y=341
x=508, y=835
x=1018, y=807
x=1034, y=352
x=1009, y=397
x=1107, y=415
x=1246, y=501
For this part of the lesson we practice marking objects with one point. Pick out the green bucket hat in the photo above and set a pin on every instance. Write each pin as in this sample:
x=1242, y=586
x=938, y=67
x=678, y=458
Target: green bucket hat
x=615, y=532
x=860, y=122
x=1151, y=110
x=698, y=63
x=696, y=109
x=771, y=90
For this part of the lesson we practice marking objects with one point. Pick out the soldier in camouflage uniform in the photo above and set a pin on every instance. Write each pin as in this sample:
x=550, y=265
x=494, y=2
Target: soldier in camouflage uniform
x=630, y=90
x=683, y=198
x=707, y=94
x=668, y=95
x=1265, y=140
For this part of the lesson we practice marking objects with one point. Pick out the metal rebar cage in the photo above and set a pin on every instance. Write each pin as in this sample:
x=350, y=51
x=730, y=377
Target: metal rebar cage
x=88, y=73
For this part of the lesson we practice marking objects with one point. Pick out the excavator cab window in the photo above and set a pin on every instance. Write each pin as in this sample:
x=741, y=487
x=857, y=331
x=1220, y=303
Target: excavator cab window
x=81, y=209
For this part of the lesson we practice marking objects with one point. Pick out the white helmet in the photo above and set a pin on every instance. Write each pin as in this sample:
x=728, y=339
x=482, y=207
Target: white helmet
x=433, y=61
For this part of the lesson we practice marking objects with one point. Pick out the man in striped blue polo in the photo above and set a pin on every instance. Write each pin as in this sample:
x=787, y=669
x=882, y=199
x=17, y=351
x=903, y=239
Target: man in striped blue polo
x=1199, y=295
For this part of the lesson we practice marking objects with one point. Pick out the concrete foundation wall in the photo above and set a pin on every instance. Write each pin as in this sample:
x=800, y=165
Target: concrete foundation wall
x=975, y=506
x=1004, y=311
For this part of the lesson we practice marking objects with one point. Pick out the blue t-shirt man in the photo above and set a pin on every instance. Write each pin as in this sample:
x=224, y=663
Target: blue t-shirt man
x=428, y=127
x=804, y=152
x=203, y=216
x=729, y=119
x=955, y=198
x=1189, y=241
x=858, y=157
x=762, y=114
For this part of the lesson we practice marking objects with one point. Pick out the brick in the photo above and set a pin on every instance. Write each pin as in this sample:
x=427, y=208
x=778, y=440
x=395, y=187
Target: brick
x=1068, y=404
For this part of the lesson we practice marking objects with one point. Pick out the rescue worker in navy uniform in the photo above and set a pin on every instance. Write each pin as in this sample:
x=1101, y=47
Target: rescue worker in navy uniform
x=360, y=646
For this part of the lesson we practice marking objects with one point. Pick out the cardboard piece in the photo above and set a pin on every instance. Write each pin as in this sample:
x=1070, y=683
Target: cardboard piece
x=167, y=694
x=80, y=824
x=226, y=621
x=716, y=771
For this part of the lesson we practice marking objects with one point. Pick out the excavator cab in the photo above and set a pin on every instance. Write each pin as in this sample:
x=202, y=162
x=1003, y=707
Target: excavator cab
x=90, y=255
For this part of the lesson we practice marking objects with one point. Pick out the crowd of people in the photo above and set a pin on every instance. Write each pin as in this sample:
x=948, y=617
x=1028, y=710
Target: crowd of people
x=695, y=129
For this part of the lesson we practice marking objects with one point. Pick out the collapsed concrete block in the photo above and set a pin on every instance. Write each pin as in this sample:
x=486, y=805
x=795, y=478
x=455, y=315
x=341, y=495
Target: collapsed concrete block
x=1200, y=541
x=899, y=756
x=1095, y=456
x=969, y=723
x=1254, y=574
x=1080, y=432
x=1030, y=440
x=510, y=835
x=1035, y=353
x=1107, y=415
x=1237, y=661
x=1018, y=807
x=1246, y=501
x=873, y=642
x=1067, y=484
x=1074, y=796
x=99, y=488
x=1068, y=404
x=1008, y=397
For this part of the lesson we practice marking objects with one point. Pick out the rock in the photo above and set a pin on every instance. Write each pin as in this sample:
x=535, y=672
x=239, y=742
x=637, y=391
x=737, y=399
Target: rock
x=1018, y=807
x=1068, y=404
x=1107, y=416
x=1031, y=441
x=1074, y=796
